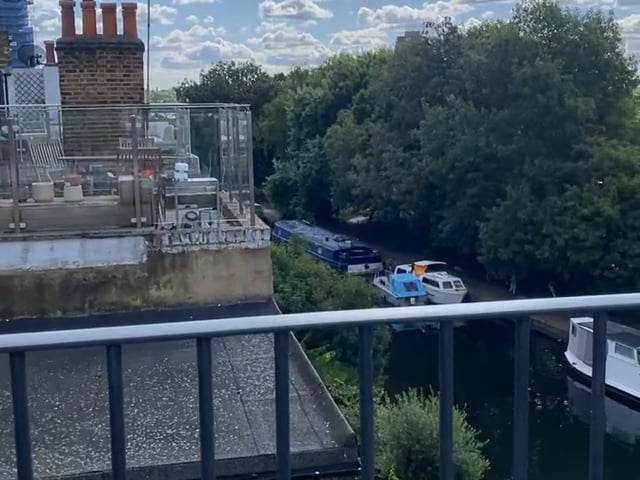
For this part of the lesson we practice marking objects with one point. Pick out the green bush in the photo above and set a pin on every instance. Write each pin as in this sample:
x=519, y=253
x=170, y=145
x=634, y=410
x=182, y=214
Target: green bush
x=408, y=436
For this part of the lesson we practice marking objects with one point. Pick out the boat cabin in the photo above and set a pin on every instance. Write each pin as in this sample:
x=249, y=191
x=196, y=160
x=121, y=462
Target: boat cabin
x=433, y=274
x=623, y=343
x=338, y=251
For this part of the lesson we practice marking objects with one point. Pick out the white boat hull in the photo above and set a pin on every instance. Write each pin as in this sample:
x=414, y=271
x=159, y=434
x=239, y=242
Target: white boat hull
x=441, y=297
x=622, y=369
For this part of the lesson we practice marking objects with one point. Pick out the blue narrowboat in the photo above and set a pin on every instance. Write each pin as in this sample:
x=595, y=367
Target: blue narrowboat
x=338, y=251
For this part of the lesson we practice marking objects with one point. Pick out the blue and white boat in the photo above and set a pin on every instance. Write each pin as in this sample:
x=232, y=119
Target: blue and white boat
x=338, y=251
x=402, y=290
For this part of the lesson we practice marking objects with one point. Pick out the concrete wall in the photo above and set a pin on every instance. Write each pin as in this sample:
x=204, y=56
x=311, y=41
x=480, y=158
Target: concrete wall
x=84, y=276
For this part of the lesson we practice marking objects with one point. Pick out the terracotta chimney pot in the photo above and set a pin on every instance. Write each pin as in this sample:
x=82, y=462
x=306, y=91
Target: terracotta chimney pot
x=129, y=20
x=88, y=18
x=109, y=21
x=68, y=18
x=50, y=50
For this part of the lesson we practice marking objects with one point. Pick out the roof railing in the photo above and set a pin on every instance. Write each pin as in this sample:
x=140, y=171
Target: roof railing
x=519, y=311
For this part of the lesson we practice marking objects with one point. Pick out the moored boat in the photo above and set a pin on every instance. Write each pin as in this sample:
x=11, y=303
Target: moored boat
x=622, y=377
x=442, y=287
x=339, y=252
x=402, y=290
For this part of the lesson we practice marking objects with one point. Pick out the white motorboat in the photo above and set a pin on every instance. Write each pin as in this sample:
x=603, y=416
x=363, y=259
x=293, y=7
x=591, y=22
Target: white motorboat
x=622, y=378
x=442, y=287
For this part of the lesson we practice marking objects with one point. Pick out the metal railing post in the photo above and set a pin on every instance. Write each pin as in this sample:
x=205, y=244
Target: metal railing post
x=283, y=440
x=366, y=374
x=136, y=174
x=205, y=408
x=13, y=167
x=116, y=413
x=446, y=400
x=21, y=415
x=521, y=399
x=598, y=419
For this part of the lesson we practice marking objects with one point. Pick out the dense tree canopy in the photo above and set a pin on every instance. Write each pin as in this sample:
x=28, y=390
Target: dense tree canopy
x=513, y=142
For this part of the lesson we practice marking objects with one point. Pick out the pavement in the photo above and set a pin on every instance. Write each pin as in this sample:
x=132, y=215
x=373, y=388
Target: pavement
x=69, y=406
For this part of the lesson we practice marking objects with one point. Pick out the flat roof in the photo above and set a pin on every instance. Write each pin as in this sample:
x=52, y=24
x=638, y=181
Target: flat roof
x=69, y=405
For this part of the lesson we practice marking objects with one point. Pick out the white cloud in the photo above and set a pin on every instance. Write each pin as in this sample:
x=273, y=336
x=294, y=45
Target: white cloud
x=178, y=40
x=293, y=9
x=405, y=17
x=359, y=39
x=192, y=19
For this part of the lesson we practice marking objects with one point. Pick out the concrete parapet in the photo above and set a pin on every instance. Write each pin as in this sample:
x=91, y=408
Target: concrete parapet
x=76, y=275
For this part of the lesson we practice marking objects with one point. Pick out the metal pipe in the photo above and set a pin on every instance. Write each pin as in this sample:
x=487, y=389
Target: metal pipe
x=136, y=173
x=13, y=168
x=295, y=321
x=249, y=147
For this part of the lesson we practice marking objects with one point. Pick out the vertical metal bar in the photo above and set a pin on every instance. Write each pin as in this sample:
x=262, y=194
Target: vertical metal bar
x=283, y=448
x=249, y=147
x=521, y=400
x=446, y=400
x=205, y=405
x=21, y=415
x=13, y=173
x=367, y=455
x=136, y=173
x=116, y=413
x=596, y=439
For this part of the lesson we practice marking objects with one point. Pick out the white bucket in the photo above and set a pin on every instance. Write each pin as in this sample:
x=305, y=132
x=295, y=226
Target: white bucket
x=72, y=193
x=42, y=192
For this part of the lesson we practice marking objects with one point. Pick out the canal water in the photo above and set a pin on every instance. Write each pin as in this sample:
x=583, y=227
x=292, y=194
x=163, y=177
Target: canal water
x=559, y=409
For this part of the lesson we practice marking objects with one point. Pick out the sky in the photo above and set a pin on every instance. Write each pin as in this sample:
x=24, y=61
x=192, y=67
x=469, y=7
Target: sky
x=188, y=35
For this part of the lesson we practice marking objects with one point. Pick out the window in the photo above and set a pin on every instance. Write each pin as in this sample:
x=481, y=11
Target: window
x=573, y=329
x=447, y=285
x=410, y=286
x=458, y=284
x=431, y=283
x=400, y=270
x=624, y=351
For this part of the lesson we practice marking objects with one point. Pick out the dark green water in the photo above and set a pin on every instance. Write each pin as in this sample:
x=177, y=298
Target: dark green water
x=559, y=410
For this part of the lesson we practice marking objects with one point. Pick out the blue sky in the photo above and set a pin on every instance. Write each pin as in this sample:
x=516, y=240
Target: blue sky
x=187, y=35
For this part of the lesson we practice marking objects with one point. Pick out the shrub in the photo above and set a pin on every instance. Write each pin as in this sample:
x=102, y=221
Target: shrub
x=408, y=436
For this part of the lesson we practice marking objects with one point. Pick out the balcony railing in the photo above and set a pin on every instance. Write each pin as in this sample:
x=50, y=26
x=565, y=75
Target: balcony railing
x=112, y=338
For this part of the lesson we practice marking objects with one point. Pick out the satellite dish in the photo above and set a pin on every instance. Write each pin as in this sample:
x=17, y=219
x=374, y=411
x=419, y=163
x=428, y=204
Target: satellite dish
x=31, y=55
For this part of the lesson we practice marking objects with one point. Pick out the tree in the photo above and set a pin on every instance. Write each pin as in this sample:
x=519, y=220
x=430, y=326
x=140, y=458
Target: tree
x=515, y=143
x=408, y=439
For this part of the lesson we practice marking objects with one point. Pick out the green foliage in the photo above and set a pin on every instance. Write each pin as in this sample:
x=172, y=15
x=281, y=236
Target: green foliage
x=167, y=95
x=304, y=285
x=514, y=142
x=408, y=435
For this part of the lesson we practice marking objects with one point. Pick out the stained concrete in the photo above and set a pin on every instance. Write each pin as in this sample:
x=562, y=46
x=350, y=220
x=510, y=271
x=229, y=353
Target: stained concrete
x=166, y=280
x=69, y=408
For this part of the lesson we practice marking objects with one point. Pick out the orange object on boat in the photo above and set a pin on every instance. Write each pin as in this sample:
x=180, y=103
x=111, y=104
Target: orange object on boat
x=419, y=269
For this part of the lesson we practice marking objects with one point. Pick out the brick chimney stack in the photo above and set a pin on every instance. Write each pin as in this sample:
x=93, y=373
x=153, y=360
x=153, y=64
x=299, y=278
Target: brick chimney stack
x=50, y=49
x=102, y=68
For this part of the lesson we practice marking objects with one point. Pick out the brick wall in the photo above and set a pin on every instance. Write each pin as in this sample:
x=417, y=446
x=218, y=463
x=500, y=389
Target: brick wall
x=98, y=72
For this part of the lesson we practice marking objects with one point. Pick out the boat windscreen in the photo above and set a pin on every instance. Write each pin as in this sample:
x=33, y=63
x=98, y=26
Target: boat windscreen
x=410, y=286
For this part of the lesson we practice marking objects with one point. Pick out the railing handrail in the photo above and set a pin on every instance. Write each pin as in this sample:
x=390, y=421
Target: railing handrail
x=143, y=106
x=81, y=337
